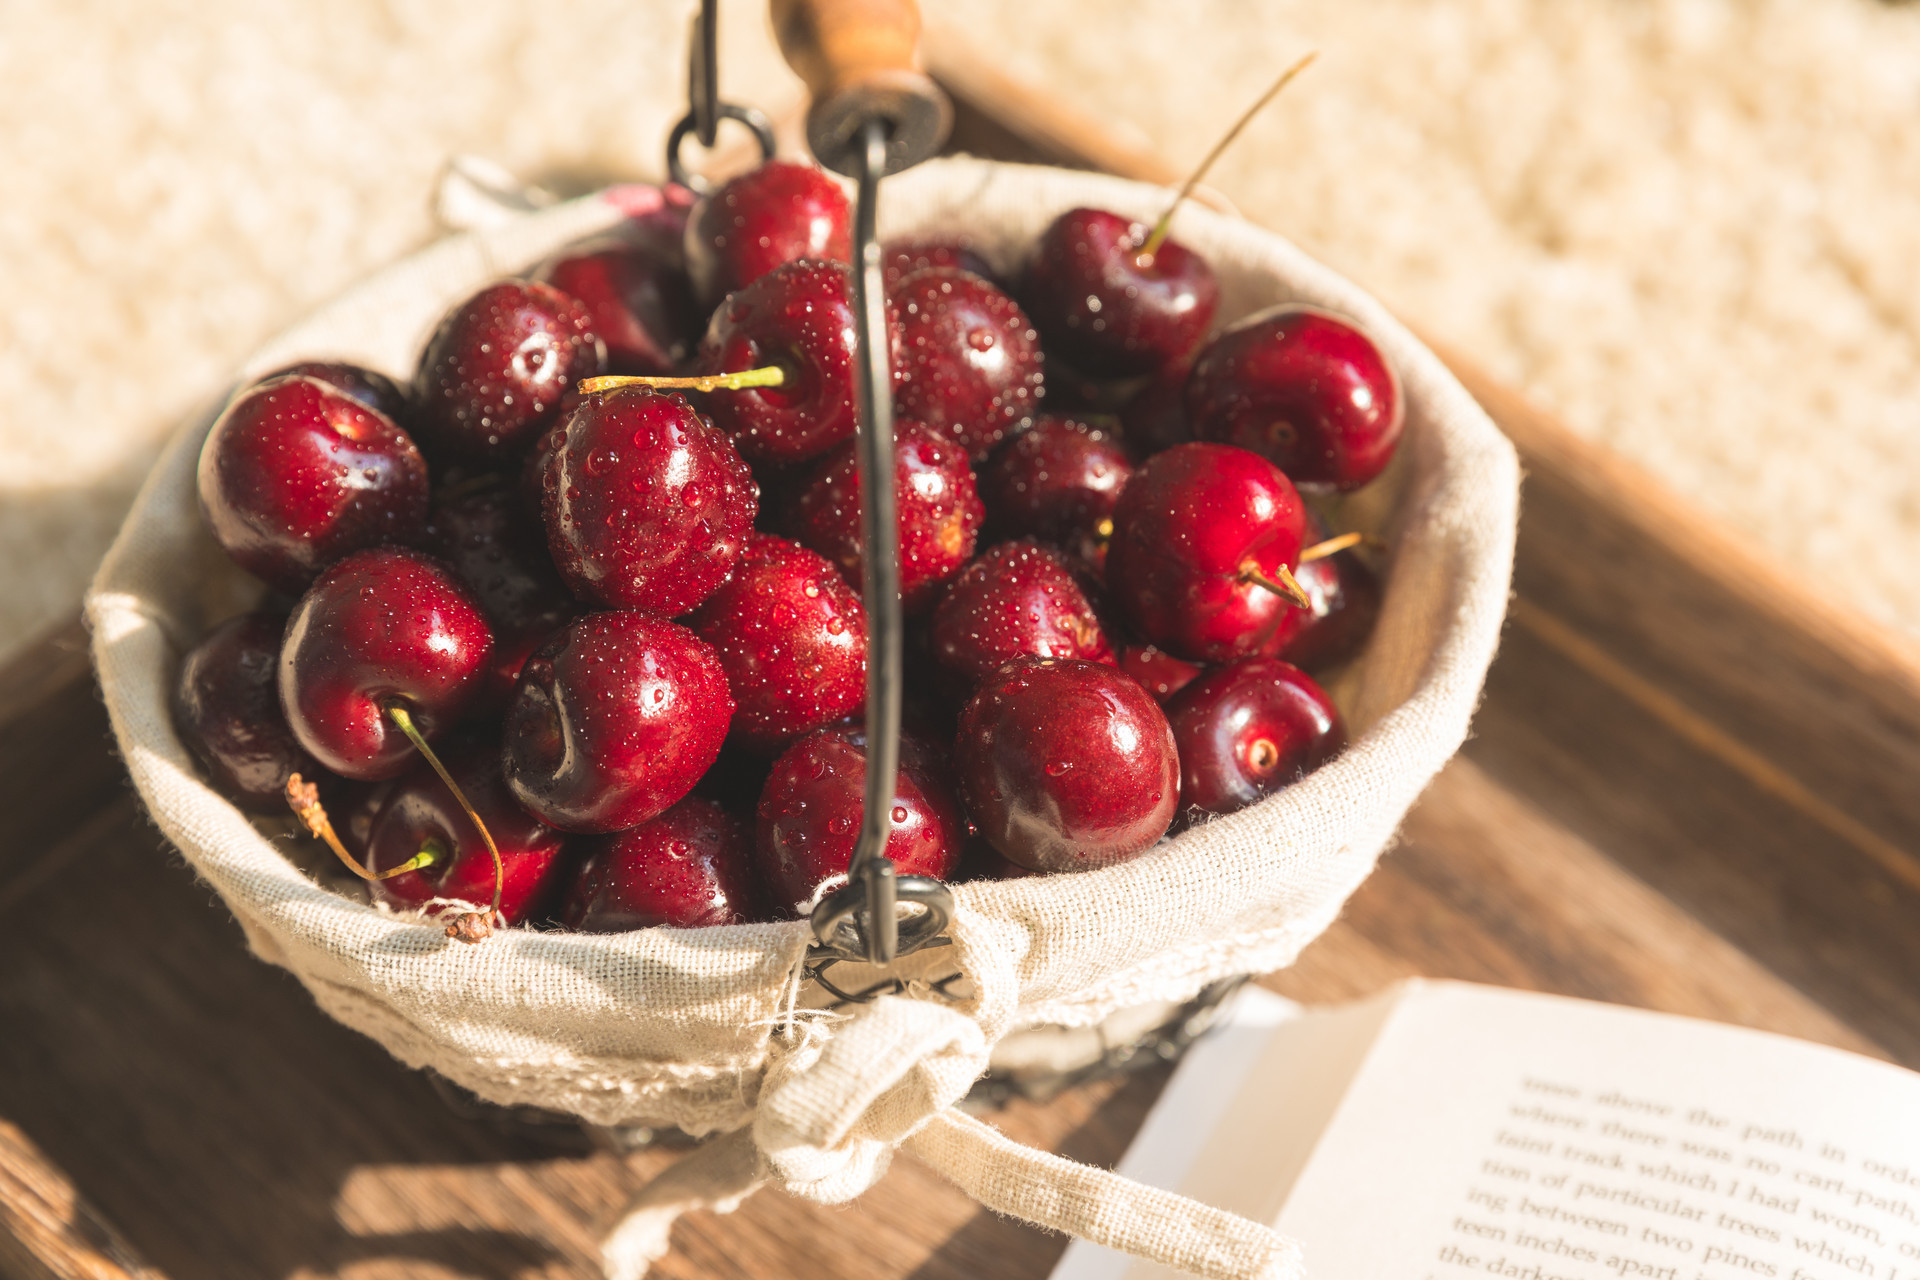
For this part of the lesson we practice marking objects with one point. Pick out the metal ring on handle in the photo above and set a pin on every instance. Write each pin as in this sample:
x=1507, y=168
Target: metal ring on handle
x=705, y=111
x=754, y=120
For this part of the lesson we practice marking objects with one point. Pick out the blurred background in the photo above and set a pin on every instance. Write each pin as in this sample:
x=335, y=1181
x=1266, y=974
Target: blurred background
x=1690, y=228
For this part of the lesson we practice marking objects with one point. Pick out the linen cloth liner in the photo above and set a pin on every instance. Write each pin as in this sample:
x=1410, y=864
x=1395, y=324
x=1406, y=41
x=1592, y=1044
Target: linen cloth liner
x=696, y=1028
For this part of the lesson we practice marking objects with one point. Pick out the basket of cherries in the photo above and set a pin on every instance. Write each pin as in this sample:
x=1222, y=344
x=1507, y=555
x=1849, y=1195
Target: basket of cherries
x=551, y=541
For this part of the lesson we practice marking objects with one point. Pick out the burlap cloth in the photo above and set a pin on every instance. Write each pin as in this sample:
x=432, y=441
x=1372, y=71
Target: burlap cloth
x=700, y=1028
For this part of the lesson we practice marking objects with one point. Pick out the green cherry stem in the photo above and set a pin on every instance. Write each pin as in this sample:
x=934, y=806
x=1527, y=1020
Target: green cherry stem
x=771, y=376
x=304, y=798
x=398, y=713
x=1158, y=236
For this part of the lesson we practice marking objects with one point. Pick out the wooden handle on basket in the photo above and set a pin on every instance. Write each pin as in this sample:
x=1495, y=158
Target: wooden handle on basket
x=860, y=60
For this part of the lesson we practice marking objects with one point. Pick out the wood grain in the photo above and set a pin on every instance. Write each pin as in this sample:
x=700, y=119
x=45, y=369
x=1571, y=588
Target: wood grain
x=1690, y=789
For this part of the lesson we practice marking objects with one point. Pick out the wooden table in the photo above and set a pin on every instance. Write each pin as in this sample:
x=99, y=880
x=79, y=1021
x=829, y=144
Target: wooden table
x=1692, y=787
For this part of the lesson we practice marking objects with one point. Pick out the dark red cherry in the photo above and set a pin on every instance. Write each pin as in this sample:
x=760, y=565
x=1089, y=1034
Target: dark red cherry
x=793, y=639
x=1247, y=729
x=1019, y=598
x=901, y=258
x=226, y=705
x=1304, y=389
x=647, y=505
x=1346, y=602
x=614, y=719
x=969, y=358
x=296, y=474
x=809, y=816
x=937, y=504
x=492, y=375
x=637, y=299
x=1193, y=531
x=382, y=626
x=686, y=869
x=422, y=814
x=1159, y=672
x=1066, y=765
x=799, y=319
x=1058, y=483
x=774, y=214
x=371, y=388
x=483, y=534
x=1110, y=310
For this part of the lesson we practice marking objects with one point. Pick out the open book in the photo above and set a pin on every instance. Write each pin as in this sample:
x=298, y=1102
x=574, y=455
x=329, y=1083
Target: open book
x=1441, y=1131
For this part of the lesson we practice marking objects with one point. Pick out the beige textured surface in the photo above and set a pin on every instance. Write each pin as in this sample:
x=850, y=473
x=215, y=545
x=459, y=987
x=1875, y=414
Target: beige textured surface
x=1692, y=227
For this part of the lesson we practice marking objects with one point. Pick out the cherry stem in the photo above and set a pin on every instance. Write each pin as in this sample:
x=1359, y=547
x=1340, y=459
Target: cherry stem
x=1158, y=236
x=1339, y=542
x=304, y=798
x=1282, y=584
x=771, y=376
x=398, y=713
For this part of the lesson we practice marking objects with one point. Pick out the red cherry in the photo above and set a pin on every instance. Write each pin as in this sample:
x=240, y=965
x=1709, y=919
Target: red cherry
x=686, y=869
x=798, y=318
x=1019, y=598
x=1195, y=531
x=969, y=358
x=226, y=705
x=1057, y=482
x=1109, y=310
x=614, y=719
x=492, y=375
x=809, y=817
x=1066, y=765
x=637, y=299
x=421, y=814
x=793, y=639
x=371, y=388
x=937, y=504
x=1304, y=389
x=774, y=214
x=646, y=504
x=1248, y=729
x=484, y=536
x=1346, y=602
x=381, y=627
x=296, y=474
x=901, y=258
x=1159, y=672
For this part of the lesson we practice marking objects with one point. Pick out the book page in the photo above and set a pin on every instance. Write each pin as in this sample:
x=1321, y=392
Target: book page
x=1494, y=1133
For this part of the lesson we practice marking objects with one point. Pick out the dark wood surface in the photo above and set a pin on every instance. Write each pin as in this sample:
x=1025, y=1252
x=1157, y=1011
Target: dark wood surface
x=1690, y=788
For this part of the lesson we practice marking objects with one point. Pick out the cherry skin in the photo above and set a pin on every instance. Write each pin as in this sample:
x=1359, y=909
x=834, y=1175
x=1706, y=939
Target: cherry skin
x=1247, y=729
x=370, y=387
x=483, y=534
x=1109, y=310
x=382, y=626
x=793, y=639
x=1346, y=603
x=969, y=358
x=492, y=375
x=777, y=213
x=646, y=504
x=614, y=719
x=809, y=816
x=1019, y=598
x=1066, y=765
x=901, y=258
x=1191, y=528
x=937, y=504
x=296, y=474
x=798, y=318
x=1304, y=389
x=421, y=813
x=1159, y=672
x=637, y=299
x=1058, y=483
x=226, y=705
x=689, y=868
